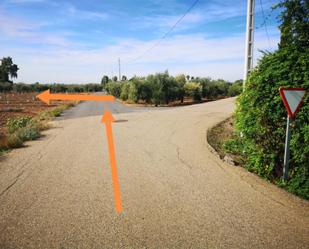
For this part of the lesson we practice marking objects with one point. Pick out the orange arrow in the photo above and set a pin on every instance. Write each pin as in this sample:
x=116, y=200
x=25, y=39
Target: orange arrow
x=108, y=119
x=46, y=96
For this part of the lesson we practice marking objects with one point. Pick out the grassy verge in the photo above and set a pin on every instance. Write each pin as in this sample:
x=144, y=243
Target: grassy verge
x=26, y=128
x=230, y=148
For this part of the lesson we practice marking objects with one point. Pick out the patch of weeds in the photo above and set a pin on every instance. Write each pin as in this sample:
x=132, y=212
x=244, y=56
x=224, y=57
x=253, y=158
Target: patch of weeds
x=26, y=128
x=14, y=141
x=234, y=148
x=30, y=132
x=13, y=124
x=220, y=133
x=50, y=114
x=2, y=152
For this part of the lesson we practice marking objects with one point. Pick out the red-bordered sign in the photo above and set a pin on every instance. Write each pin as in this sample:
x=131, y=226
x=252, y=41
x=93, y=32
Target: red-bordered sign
x=292, y=99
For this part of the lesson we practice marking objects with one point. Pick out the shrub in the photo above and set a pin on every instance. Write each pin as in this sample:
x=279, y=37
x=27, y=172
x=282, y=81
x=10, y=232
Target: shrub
x=56, y=112
x=145, y=91
x=26, y=128
x=29, y=132
x=16, y=123
x=50, y=114
x=133, y=95
x=14, y=141
x=124, y=91
x=114, y=88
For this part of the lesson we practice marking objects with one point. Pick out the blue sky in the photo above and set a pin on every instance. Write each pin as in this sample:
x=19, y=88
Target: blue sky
x=78, y=41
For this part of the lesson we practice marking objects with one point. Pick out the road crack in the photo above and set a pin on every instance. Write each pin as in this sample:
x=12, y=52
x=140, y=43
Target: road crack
x=12, y=184
x=182, y=160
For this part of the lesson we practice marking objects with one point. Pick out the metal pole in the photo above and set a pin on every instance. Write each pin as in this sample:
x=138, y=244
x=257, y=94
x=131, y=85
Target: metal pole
x=249, y=40
x=287, y=149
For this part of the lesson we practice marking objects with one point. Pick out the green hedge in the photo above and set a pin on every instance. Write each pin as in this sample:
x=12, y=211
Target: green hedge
x=261, y=115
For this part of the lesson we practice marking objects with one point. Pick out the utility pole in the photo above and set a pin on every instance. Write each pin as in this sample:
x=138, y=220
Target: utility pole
x=119, y=69
x=249, y=40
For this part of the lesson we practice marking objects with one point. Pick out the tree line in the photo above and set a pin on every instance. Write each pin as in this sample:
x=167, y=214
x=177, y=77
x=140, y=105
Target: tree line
x=56, y=87
x=162, y=88
x=159, y=88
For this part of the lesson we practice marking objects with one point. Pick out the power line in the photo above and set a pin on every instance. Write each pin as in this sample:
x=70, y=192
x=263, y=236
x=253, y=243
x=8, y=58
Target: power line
x=168, y=32
x=265, y=23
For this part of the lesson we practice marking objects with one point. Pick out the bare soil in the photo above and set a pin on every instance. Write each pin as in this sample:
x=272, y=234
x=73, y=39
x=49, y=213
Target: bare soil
x=20, y=104
x=219, y=134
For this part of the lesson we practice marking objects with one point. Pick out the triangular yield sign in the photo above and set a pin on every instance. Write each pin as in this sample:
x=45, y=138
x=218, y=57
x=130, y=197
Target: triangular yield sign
x=292, y=98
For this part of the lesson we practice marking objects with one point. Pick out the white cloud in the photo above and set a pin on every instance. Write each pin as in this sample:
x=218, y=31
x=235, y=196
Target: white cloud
x=201, y=15
x=18, y=29
x=83, y=14
x=192, y=54
x=61, y=59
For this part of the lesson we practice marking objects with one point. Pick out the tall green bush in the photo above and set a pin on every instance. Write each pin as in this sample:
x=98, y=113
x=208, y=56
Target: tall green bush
x=261, y=115
x=114, y=88
x=145, y=91
x=125, y=91
x=133, y=90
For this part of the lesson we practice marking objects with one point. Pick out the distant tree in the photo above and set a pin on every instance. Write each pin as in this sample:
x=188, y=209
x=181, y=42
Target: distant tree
x=167, y=86
x=114, y=88
x=145, y=91
x=235, y=88
x=193, y=90
x=6, y=87
x=192, y=77
x=181, y=81
x=133, y=93
x=188, y=77
x=115, y=78
x=104, y=80
x=124, y=78
x=7, y=69
x=125, y=90
x=205, y=82
x=238, y=82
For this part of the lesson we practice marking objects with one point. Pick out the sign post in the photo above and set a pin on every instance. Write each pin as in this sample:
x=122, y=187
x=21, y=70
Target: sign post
x=292, y=98
x=287, y=149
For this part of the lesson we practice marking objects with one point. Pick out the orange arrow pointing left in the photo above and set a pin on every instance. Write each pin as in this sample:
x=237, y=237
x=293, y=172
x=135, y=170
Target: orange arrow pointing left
x=47, y=96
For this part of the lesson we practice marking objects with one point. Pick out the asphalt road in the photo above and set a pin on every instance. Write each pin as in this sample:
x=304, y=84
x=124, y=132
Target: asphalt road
x=57, y=192
x=89, y=108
